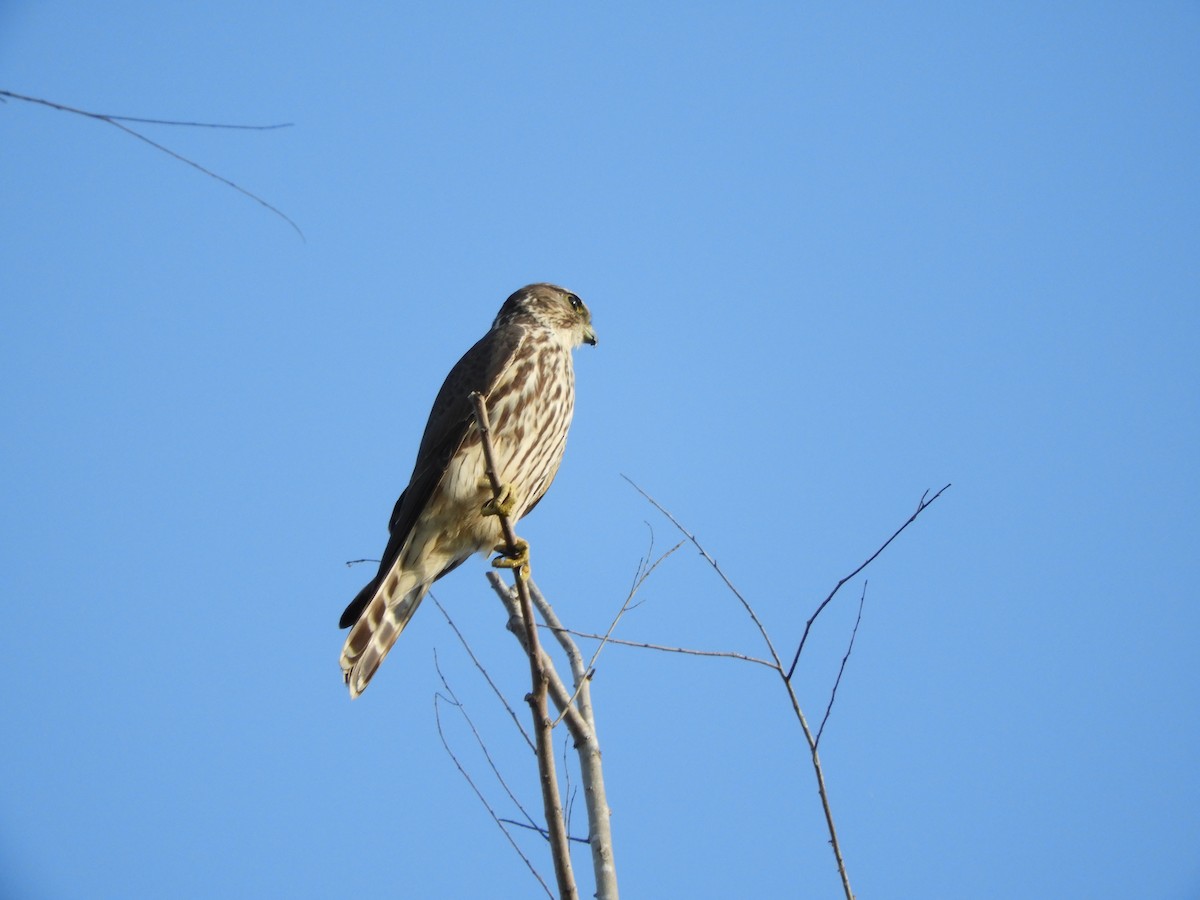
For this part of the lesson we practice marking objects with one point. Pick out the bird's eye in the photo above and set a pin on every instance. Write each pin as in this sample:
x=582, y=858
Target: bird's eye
x=576, y=303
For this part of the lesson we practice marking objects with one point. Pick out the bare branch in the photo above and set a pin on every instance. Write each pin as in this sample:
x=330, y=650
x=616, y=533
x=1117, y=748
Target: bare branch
x=777, y=666
x=551, y=800
x=786, y=677
x=110, y=117
x=841, y=668
x=117, y=122
x=571, y=790
x=478, y=793
x=588, y=745
x=516, y=625
x=712, y=562
x=921, y=506
x=822, y=790
x=479, y=740
x=686, y=651
x=482, y=671
x=581, y=722
x=542, y=831
x=643, y=572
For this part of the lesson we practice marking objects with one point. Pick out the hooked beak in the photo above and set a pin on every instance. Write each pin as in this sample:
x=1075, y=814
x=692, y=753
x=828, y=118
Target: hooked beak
x=589, y=335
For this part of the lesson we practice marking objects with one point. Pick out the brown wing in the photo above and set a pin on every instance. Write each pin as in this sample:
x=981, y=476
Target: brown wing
x=448, y=428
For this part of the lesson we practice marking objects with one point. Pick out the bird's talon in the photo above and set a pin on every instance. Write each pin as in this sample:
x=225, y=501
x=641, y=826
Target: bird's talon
x=516, y=560
x=502, y=505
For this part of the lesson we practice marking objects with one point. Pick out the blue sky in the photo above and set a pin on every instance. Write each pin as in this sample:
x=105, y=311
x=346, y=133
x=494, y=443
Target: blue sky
x=836, y=255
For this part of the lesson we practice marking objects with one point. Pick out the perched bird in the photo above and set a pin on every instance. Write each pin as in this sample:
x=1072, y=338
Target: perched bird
x=523, y=369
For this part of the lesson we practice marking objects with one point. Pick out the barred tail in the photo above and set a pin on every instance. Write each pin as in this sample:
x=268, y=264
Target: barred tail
x=374, y=633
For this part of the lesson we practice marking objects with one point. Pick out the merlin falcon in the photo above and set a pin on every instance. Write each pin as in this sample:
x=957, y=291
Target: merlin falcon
x=522, y=367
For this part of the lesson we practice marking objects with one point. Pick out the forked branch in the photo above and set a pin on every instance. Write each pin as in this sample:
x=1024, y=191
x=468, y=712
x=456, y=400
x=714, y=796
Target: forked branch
x=450, y=698
x=119, y=122
x=785, y=676
x=922, y=504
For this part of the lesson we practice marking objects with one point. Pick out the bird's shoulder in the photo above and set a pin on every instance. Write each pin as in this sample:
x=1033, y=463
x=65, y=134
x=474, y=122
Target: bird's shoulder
x=477, y=371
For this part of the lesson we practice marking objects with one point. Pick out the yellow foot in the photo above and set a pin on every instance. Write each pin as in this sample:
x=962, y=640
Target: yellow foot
x=518, y=560
x=502, y=505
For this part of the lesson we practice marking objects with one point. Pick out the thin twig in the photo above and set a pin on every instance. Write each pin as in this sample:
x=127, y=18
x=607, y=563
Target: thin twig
x=542, y=831
x=484, y=672
x=479, y=740
x=643, y=572
x=777, y=665
x=712, y=562
x=110, y=117
x=570, y=789
x=842, y=668
x=686, y=651
x=117, y=122
x=921, y=506
x=786, y=677
x=478, y=793
x=822, y=790
x=551, y=800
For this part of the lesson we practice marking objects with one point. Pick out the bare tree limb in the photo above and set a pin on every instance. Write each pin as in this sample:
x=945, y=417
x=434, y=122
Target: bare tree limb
x=687, y=651
x=921, y=507
x=582, y=729
x=516, y=626
x=111, y=117
x=551, y=801
x=786, y=677
x=542, y=831
x=712, y=562
x=822, y=790
x=588, y=746
x=569, y=789
x=478, y=793
x=777, y=665
x=644, y=570
x=842, y=668
x=461, y=707
x=484, y=672
x=579, y=718
x=117, y=122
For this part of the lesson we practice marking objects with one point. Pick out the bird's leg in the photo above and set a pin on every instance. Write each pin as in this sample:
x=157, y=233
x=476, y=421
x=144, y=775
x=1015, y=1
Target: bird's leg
x=502, y=505
x=518, y=559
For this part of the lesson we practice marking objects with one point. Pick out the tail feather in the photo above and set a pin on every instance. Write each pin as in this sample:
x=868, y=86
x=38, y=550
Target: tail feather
x=374, y=634
x=354, y=611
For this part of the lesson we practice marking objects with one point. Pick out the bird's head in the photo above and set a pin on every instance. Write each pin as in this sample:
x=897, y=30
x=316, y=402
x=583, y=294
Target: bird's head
x=550, y=306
